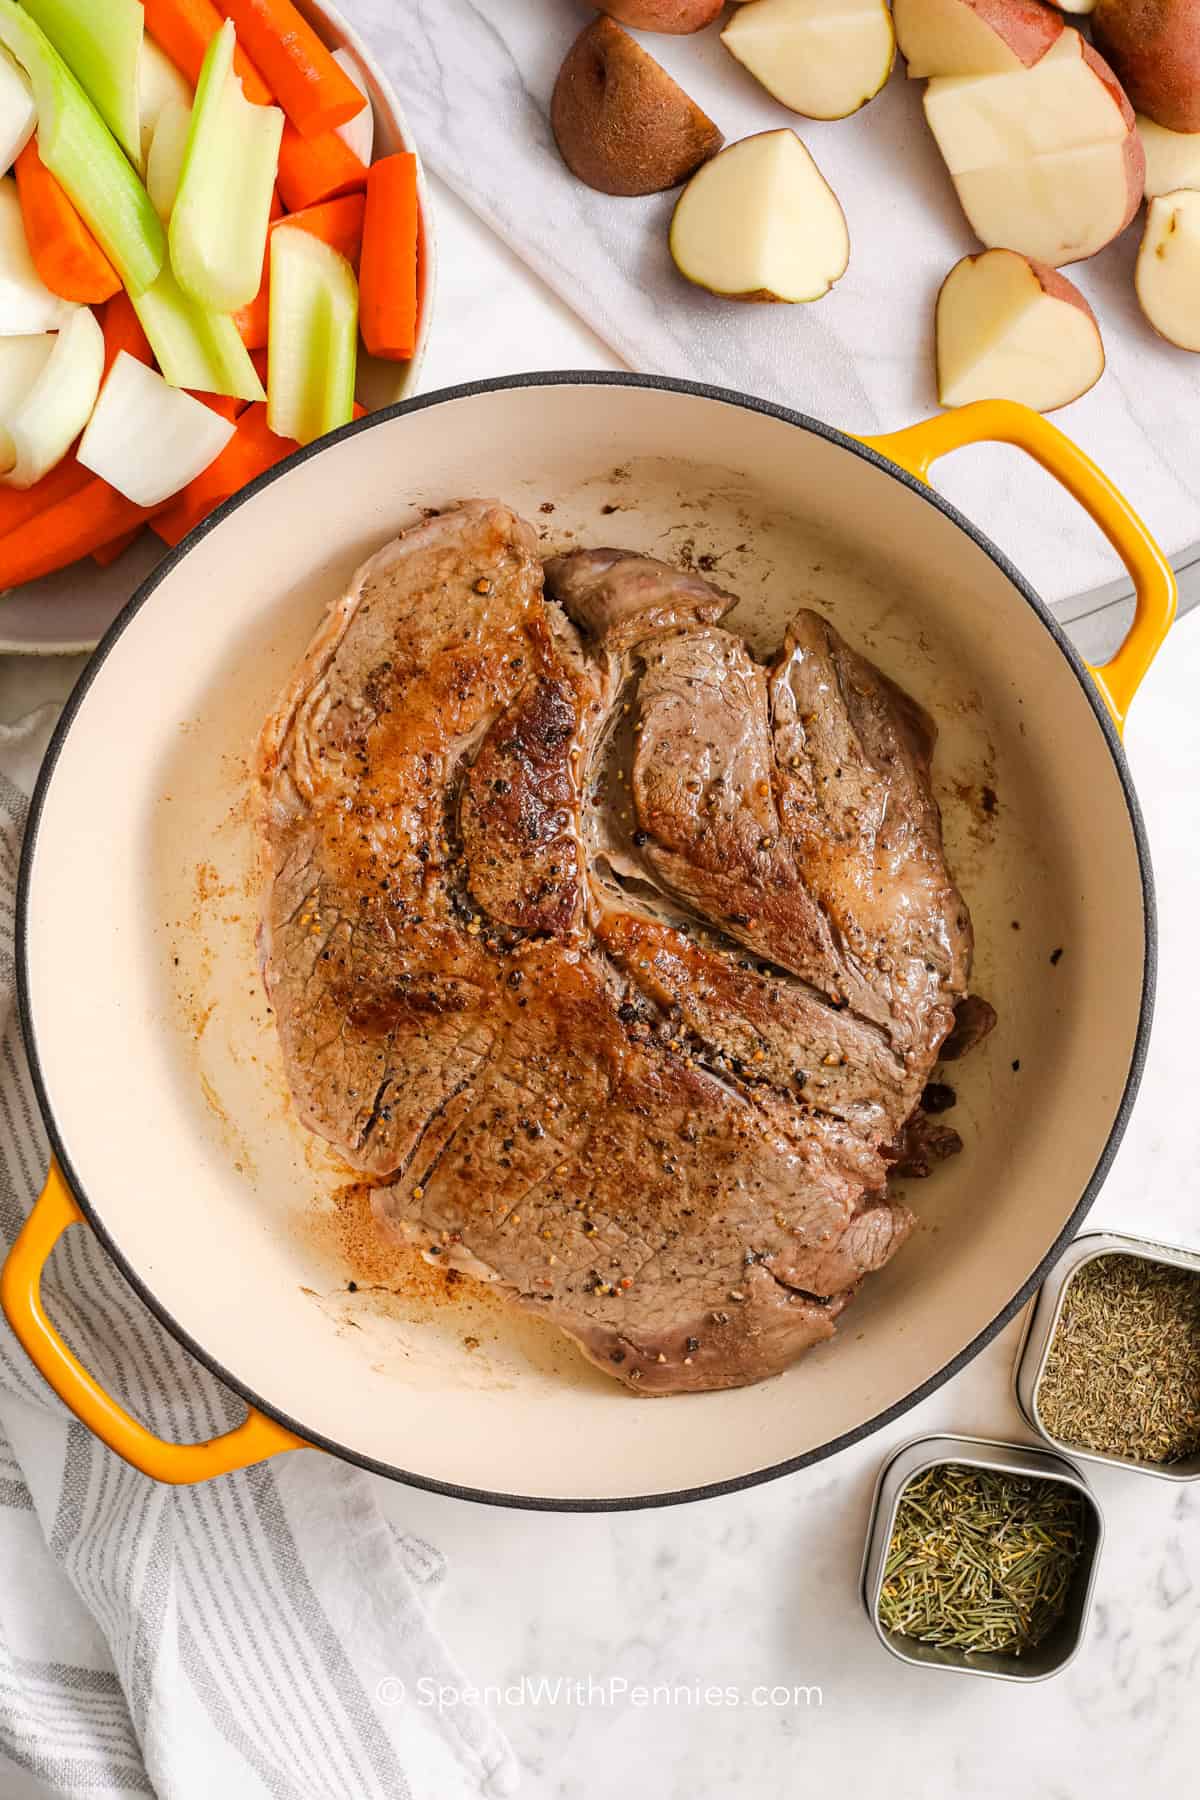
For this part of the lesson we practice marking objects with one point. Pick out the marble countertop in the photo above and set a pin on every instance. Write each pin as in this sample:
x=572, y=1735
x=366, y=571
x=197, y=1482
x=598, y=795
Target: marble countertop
x=761, y=1588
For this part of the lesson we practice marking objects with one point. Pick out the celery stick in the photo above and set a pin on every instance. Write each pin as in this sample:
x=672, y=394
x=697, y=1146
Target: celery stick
x=194, y=348
x=312, y=336
x=218, y=232
x=100, y=41
x=78, y=148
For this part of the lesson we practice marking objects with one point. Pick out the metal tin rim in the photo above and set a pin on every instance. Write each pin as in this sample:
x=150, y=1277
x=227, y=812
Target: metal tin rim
x=1099, y=1243
x=927, y=496
x=1063, y=1472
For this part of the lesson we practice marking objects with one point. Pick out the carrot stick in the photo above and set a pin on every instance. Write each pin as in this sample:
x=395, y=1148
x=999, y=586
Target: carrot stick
x=182, y=28
x=259, y=358
x=64, y=252
x=108, y=553
x=337, y=223
x=252, y=321
x=74, y=527
x=223, y=404
x=316, y=168
x=123, y=331
x=388, y=270
x=313, y=91
x=251, y=450
x=17, y=505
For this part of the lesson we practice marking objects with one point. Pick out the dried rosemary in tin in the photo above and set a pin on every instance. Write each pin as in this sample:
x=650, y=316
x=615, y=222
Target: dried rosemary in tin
x=1123, y=1371
x=979, y=1560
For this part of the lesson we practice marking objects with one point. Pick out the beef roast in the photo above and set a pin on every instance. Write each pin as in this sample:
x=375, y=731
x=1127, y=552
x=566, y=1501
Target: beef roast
x=615, y=960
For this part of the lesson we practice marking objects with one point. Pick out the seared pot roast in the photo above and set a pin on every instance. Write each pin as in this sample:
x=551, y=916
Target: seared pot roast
x=615, y=960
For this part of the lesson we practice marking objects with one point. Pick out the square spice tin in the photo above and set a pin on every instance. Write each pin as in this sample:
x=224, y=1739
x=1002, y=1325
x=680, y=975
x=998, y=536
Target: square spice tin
x=912, y=1459
x=1042, y=1322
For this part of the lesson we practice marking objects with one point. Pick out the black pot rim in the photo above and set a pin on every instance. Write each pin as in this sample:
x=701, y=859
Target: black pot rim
x=727, y=397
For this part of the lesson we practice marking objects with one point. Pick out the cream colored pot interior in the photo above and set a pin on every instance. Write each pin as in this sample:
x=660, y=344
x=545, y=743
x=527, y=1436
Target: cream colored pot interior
x=159, y=1056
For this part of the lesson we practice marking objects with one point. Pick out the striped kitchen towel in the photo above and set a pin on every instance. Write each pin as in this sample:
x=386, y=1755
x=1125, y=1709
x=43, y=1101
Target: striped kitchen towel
x=244, y=1638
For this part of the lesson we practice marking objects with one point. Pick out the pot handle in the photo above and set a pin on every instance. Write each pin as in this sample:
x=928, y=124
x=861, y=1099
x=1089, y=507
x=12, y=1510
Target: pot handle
x=254, y=1439
x=1005, y=422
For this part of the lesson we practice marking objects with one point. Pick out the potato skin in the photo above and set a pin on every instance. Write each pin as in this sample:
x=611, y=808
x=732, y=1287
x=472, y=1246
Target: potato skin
x=1026, y=26
x=676, y=16
x=1135, y=154
x=1154, y=47
x=622, y=125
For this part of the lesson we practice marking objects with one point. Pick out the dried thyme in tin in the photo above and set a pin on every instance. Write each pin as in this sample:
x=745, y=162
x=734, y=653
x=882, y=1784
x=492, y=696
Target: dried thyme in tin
x=980, y=1560
x=1122, y=1373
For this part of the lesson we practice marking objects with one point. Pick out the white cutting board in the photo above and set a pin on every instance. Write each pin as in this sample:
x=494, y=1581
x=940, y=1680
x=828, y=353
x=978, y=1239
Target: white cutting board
x=478, y=76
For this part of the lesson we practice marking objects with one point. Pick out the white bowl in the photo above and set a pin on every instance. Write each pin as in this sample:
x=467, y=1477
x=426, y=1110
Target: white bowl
x=69, y=612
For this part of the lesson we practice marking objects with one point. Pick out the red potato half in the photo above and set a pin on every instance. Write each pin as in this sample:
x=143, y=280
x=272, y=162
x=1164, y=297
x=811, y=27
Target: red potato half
x=1011, y=329
x=1167, y=278
x=1154, y=46
x=1046, y=160
x=676, y=16
x=760, y=222
x=1172, y=158
x=821, y=58
x=973, y=37
x=621, y=124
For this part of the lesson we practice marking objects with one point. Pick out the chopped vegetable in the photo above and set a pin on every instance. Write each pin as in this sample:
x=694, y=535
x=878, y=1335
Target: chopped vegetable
x=316, y=168
x=123, y=331
x=101, y=45
x=26, y=303
x=80, y=151
x=358, y=133
x=20, y=504
x=184, y=29
x=146, y=438
x=39, y=426
x=160, y=84
x=337, y=223
x=22, y=360
x=64, y=252
x=251, y=450
x=168, y=147
x=314, y=336
x=224, y=405
x=388, y=271
x=218, y=226
x=253, y=321
x=192, y=347
x=108, y=553
x=91, y=516
x=18, y=114
x=313, y=91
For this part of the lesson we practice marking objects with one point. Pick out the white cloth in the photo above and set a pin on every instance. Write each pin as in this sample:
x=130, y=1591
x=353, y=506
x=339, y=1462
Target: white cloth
x=474, y=78
x=248, y=1637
